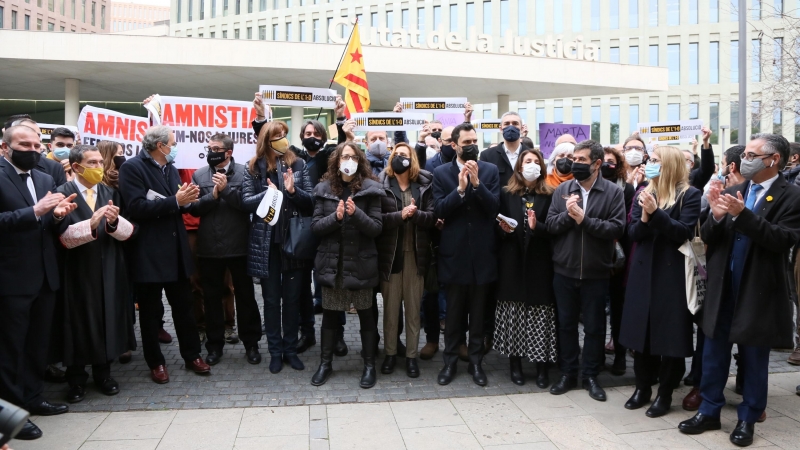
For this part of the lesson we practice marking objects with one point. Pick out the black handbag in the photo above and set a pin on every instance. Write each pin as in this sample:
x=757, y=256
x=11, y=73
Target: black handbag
x=300, y=242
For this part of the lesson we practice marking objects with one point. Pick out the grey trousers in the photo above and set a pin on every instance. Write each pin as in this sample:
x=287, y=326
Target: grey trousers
x=405, y=287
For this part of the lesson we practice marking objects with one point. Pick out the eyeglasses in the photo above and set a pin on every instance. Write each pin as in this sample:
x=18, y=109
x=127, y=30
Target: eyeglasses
x=62, y=145
x=654, y=160
x=215, y=149
x=633, y=147
x=350, y=158
x=749, y=156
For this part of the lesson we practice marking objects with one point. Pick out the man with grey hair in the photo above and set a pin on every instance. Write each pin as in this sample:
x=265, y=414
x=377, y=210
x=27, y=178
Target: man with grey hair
x=749, y=234
x=154, y=198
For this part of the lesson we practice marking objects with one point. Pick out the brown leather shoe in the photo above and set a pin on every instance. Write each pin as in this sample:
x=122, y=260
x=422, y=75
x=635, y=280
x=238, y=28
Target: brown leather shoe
x=198, y=366
x=429, y=350
x=762, y=418
x=794, y=358
x=463, y=353
x=159, y=374
x=126, y=357
x=692, y=400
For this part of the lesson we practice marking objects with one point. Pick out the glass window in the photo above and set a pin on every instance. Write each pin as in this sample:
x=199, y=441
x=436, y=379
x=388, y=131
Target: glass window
x=777, y=118
x=421, y=25
x=39, y=24
x=262, y=5
x=373, y=20
x=713, y=14
x=777, y=62
x=203, y=6
x=317, y=32
x=673, y=111
x=214, y=7
x=778, y=4
x=558, y=16
x=289, y=35
x=437, y=17
x=238, y=6
x=613, y=55
x=249, y=32
x=262, y=32
x=470, y=15
x=190, y=8
x=558, y=114
x=653, y=111
x=734, y=122
x=27, y=22
x=674, y=63
x=487, y=17
x=653, y=56
x=14, y=22
x=694, y=111
x=249, y=5
x=504, y=19
x=539, y=119
x=756, y=70
x=51, y=6
x=236, y=33
x=73, y=8
x=454, y=17
x=390, y=19
x=274, y=32
x=734, y=7
x=693, y=11
x=102, y=16
x=614, y=14
x=577, y=114
x=652, y=10
x=302, y=31
x=633, y=55
x=693, y=63
x=595, y=14
x=633, y=118
x=614, y=124
x=404, y=20
x=755, y=118
x=633, y=14
x=755, y=9
x=487, y=138
x=596, y=123
x=713, y=123
x=576, y=16
x=51, y=26
x=523, y=112
x=713, y=62
x=224, y=8
x=734, y=63
x=673, y=12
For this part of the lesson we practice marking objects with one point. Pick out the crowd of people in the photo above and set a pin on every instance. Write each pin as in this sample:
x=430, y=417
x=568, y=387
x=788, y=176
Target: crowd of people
x=502, y=249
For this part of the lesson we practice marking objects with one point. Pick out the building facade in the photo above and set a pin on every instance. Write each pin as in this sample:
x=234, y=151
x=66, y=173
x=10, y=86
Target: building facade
x=77, y=16
x=127, y=16
x=697, y=40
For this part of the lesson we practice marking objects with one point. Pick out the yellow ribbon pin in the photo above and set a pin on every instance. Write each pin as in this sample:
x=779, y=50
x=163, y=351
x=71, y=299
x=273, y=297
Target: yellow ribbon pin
x=769, y=198
x=529, y=205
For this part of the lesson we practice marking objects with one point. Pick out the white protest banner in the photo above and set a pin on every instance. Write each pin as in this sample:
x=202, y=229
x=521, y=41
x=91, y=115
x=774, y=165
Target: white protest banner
x=434, y=104
x=298, y=96
x=195, y=120
x=47, y=129
x=487, y=125
x=388, y=121
x=670, y=132
x=97, y=124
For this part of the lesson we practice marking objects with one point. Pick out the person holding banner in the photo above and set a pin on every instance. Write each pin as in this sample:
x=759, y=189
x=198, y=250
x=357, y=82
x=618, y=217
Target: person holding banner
x=656, y=324
x=276, y=170
x=154, y=198
x=526, y=314
x=404, y=251
x=347, y=219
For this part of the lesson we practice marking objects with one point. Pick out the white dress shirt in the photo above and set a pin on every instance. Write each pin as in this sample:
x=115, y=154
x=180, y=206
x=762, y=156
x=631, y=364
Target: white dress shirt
x=765, y=185
x=29, y=181
x=82, y=189
x=585, y=193
x=512, y=156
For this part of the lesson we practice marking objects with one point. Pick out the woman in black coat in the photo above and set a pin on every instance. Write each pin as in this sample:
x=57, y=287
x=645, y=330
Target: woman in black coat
x=525, y=320
x=656, y=322
x=281, y=276
x=347, y=219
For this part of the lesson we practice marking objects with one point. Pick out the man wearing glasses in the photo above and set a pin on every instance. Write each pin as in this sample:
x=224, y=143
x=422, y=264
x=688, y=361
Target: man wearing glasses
x=222, y=240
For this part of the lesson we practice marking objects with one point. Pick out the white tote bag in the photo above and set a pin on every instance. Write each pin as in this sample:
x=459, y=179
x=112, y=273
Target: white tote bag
x=694, y=252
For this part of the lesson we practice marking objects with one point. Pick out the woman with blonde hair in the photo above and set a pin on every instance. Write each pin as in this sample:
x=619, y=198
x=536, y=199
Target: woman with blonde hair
x=525, y=319
x=656, y=322
x=113, y=158
x=404, y=250
x=275, y=167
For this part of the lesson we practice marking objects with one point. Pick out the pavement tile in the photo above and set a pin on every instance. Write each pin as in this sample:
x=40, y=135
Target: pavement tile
x=545, y=406
x=579, y=433
x=497, y=420
x=66, y=431
x=455, y=437
x=202, y=429
x=423, y=414
x=142, y=444
x=272, y=442
x=133, y=425
x=661, y=439
x=284, y=421
x=347, y=423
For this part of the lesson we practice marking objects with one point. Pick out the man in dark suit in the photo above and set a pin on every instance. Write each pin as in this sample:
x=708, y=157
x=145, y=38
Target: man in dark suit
x=466, y=196
x=749, y=235
x=48, y=166
x=30, y=215
x=160, y=258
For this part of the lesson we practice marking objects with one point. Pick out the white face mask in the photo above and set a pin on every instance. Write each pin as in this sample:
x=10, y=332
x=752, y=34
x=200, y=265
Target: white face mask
x=531, y=171
x=348, y=167
x=634, y=158
x=430, y=152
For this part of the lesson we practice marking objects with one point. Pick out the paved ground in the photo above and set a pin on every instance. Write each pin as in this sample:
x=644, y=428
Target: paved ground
x=235, y=383
x=522, y=421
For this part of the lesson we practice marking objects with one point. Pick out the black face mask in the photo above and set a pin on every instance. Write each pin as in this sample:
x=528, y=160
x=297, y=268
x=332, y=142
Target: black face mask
x=25, y=160
x=400, y=164
x=448, y=151
x=215, y=158
x=436, y=134
x=511, y=133
x=312, y=144
x=469, y=152
x=608, y=170
x=119, y=161
x=581, y=171
x=564, y=165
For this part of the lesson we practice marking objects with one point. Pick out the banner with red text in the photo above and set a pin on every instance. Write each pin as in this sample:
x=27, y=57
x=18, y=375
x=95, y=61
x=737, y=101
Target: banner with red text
x=97, y=124
x=195, y=120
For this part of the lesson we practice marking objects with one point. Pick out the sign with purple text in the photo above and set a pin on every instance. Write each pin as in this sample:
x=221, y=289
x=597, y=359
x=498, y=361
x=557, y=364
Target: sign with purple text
x=550, y=132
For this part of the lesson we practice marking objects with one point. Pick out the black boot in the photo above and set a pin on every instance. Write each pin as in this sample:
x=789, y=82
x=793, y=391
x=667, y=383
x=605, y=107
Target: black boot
x=619, y=367
x=542, y=376
x=369, y=342
x=516, y=370
x=328, y=338
x=340, y=347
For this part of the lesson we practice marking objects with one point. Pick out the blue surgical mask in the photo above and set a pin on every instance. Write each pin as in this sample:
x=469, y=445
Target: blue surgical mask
x=652, y=170
x=173, y=153
x=61, y=153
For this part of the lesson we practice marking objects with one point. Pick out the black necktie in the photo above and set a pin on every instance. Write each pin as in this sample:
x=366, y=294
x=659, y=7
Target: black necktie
x=24, y=177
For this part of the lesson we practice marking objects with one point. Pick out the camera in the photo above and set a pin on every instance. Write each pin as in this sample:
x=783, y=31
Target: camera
x=12, y=419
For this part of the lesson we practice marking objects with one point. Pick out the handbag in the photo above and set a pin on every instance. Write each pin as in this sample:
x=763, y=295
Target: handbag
x=694, y=253
x=300, y=242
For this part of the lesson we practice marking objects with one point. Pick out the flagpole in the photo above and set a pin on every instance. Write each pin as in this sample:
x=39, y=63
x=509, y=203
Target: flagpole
x=341, y=58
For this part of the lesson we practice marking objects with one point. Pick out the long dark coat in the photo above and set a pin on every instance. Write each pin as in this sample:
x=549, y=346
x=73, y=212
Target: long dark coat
x=763, y=312
x=98, y=322
x=655, y=299
x=525, y=266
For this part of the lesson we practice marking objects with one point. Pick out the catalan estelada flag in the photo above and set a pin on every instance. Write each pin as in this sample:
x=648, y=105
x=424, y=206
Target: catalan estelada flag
x=352, y=76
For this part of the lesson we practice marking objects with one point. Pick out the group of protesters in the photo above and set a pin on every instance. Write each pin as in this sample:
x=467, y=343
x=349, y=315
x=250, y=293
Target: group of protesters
x=504, y=248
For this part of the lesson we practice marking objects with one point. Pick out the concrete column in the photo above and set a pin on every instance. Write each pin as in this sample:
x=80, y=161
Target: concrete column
x=297, y=123
x=71, y=101
x=502, y=104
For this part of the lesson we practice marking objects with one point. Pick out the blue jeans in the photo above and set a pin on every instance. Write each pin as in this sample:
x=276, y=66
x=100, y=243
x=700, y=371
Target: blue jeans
x=572, y=297
x=286, y=286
